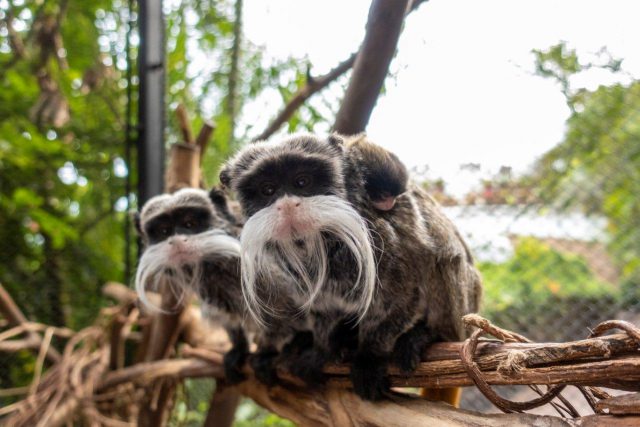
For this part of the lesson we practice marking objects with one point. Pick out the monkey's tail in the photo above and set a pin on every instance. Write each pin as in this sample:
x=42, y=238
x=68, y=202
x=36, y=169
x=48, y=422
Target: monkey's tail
x=449, y=395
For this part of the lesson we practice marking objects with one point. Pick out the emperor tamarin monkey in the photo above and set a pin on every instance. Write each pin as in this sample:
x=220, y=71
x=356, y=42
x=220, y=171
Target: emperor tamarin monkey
x=191, y=243
x=399, y=271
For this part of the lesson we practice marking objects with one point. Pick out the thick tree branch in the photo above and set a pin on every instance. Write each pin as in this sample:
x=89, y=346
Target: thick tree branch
x=234, y=74
x=371, y=66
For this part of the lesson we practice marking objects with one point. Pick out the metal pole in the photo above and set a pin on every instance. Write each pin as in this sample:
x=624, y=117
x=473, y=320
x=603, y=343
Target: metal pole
x=151, y=118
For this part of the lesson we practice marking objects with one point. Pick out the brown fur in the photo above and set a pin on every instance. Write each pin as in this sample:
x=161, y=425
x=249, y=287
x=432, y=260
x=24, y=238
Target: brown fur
x=426, y=277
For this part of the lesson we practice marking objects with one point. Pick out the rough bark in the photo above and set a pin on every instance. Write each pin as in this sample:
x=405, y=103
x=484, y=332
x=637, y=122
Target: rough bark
x=371, y=65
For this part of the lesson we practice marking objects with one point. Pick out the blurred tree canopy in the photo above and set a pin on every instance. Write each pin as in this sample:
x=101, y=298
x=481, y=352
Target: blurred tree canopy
x=597, y=166
x=62, y=120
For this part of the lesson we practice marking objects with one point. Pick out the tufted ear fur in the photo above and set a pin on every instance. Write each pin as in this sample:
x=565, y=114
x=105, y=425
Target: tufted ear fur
x=336, y=140
x=220, y=202
x=225, y=176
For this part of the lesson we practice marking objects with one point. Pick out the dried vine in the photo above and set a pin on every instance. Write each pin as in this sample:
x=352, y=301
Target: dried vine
x=93, y=381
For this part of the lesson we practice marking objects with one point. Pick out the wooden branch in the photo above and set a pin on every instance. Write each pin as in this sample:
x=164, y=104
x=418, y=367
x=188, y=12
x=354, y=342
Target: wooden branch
x=15, y=317
x=202, y=140
x=183, y=122
x=335, y=407
x=81, y=385
x=444, y=358
x=371, y=65
x=148, y=372
x=234, y=74
x=223, y=405
x=620, y=405
x=313, y=85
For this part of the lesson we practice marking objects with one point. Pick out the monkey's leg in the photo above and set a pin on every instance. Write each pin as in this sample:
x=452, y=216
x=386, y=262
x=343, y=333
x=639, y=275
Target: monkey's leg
x=304, y=359
x=409, y=347
x=235, y=358
x=306, y=355
x=343, y=340
x=407, y=354
x=263, y=363
x=377, y=340
x=269, y=341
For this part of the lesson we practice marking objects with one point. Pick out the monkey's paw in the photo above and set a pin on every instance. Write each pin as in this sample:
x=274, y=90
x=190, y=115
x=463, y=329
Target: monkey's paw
x=303, y=360
x=307, y=366
x=407, y=352
x=343, y=342
x=369, y=376
x=234, y=360
x=264, y=367
x=300, y=342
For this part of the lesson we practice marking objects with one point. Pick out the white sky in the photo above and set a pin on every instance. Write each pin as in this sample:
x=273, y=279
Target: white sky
x=464, y=89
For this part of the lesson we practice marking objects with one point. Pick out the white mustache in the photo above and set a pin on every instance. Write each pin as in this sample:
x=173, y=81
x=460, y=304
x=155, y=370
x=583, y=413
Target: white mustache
x=156, y=266
x=265, y=258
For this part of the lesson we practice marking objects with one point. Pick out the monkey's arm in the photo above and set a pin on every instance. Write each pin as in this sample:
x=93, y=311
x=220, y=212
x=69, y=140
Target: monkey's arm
x=272, y=340
x=334, y=339
x=236, y=357
x=377, y=338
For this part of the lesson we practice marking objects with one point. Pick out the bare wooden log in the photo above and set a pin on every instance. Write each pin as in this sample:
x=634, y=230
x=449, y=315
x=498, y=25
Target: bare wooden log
x=334, y=407
x=620, y=405
x=185, y=170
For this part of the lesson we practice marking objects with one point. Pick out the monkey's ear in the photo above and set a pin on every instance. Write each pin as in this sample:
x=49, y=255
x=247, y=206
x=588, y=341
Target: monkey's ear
x=217, y=197
x=136, y=222
x=336, y=140
x=225, y=177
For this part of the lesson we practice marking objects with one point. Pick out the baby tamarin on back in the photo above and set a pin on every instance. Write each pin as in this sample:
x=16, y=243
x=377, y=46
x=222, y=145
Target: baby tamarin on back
x=385, y=176
x=399, y=271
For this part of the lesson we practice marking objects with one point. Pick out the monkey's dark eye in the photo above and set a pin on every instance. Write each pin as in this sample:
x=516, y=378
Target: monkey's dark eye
x=188, y=224
x=164, y=231
x=268, y=189
x=303, y=180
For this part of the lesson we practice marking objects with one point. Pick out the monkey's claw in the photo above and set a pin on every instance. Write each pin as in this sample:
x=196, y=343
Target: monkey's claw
x=307, y=366
x=234, y=360
x=369, y=376
x=264, y=367
x=407, y=352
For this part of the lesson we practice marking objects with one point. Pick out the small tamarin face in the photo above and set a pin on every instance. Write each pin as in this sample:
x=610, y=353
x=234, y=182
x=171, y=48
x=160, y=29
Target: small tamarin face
x=179, y=235
x=384, y=174
x=293, y=195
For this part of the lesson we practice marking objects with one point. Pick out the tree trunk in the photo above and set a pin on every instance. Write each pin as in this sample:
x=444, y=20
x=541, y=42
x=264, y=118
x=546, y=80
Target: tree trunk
x=371, y=66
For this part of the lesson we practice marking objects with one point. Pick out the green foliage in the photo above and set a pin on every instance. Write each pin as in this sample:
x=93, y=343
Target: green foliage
x=536, y=274
x=192, y=405
x=597, y=166
x=62, y=122
x=251, y=415
x=57, y=186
